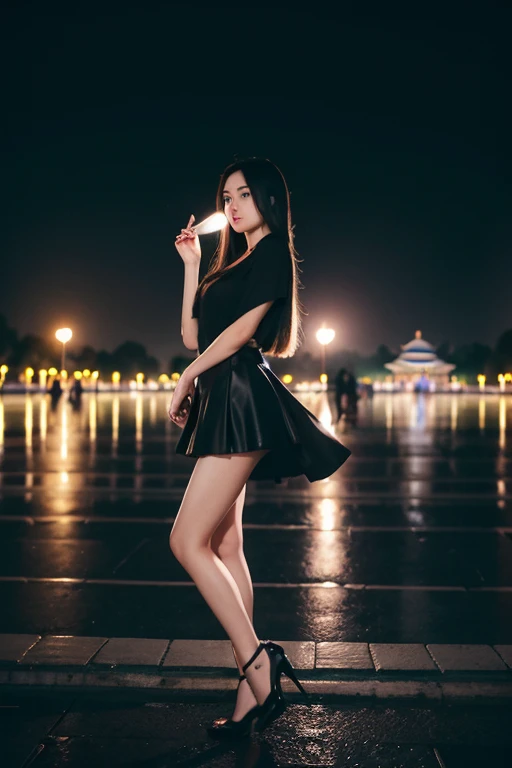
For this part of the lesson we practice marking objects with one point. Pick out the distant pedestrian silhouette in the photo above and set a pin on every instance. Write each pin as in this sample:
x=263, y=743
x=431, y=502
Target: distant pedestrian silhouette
x=55, y=392
x=346, y=394
x=75, y=393
x=56, y=389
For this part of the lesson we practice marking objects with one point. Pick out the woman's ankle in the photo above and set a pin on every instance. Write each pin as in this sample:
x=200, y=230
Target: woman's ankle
x=258, y=677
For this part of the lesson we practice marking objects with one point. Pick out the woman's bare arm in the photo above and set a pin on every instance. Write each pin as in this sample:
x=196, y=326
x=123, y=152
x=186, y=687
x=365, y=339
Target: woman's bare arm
x=230, y=340
x=187, y=245
x=189, y=324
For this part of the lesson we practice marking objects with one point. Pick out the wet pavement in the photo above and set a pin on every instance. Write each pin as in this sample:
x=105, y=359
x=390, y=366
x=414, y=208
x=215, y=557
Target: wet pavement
x=42, y=728
x=410, y=542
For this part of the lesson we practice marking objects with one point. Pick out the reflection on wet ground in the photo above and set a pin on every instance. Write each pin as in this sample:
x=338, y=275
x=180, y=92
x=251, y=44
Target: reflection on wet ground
x=116, y=728
x=411, y=541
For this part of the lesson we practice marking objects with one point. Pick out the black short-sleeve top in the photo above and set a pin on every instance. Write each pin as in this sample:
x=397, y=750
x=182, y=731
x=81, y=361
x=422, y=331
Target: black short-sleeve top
x=264, y=275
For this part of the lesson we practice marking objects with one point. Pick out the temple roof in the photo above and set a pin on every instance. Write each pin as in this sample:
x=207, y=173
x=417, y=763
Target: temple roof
x=409, y=366
x=417, y=345
x=416, y=355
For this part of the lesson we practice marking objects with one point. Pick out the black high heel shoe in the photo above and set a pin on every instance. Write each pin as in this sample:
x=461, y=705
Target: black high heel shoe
x=234, y=729
x=225, y=727
x=275, y=703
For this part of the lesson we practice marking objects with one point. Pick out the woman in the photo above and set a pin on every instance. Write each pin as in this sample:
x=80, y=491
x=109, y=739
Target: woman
x=242, y=423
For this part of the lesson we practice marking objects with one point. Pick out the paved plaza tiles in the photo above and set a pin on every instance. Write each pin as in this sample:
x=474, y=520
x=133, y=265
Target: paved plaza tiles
x=389, y=583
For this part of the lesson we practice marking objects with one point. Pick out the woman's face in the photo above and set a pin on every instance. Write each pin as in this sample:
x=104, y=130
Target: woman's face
x=239, y=205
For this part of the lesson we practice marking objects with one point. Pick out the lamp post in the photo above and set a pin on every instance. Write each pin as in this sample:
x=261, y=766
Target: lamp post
x=63, y=335
x=324, y=336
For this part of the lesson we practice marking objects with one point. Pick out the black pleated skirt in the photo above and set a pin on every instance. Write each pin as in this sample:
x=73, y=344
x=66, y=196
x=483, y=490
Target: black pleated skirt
x=240, y=405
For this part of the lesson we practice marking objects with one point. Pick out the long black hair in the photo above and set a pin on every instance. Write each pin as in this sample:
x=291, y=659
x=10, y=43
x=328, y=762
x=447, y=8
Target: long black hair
x=265, y=181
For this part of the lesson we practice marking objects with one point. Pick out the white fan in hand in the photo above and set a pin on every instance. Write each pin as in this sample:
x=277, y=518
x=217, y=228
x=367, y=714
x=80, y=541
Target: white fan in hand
x=211, y=224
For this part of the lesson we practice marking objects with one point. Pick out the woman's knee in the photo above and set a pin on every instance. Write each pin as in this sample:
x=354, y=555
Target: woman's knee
x=230, y=545
x=175, y=544
x=183, y=547
x=206, y=506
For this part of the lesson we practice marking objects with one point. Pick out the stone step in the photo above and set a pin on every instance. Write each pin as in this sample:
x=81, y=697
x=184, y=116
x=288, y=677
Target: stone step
x=434, y=670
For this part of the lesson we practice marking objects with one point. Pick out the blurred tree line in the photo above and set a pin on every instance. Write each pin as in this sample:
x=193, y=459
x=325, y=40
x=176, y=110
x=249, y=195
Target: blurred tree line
x=130, y=357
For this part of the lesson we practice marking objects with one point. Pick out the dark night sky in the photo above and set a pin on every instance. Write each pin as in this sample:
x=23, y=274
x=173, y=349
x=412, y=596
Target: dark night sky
x=390, y=127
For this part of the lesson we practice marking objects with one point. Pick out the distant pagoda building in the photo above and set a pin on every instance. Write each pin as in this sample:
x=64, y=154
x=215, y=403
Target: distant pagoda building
x=418, y=366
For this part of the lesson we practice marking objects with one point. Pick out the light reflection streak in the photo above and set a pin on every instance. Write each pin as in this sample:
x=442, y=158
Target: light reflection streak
x=43, y=425
x=324, y=415
x=64, y=430
x=327, y=514
x=388, y=411
x=115, y=425
x=114, y=452
x=481, y=413
x=454, y=413
x=139, y=415
x=502, y=421
x=415, y=517
x=2, y=433
x=324, y=557
x=29, y=429
x=93, y=429
x=153, y=411
x=93, y=418
x=413, y=420
x=139, y=446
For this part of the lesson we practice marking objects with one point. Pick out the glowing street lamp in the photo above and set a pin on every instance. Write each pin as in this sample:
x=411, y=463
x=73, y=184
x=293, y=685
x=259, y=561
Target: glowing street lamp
x=503, y=378
x=3, y=372
x=324, y=336
x=43, y=373
x=63, y=335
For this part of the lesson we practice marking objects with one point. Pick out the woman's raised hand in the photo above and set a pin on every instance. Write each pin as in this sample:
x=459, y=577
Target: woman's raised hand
x=187, y=244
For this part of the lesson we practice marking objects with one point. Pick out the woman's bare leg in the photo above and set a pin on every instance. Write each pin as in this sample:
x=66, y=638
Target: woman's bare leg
x=227, y=543
x=214, y=486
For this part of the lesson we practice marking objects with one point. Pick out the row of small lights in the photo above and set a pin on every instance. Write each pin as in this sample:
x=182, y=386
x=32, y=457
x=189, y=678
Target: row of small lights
x=324, y=336
x=86, y=374
x=502, y=379
x=94, y=375
x=164, y=378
